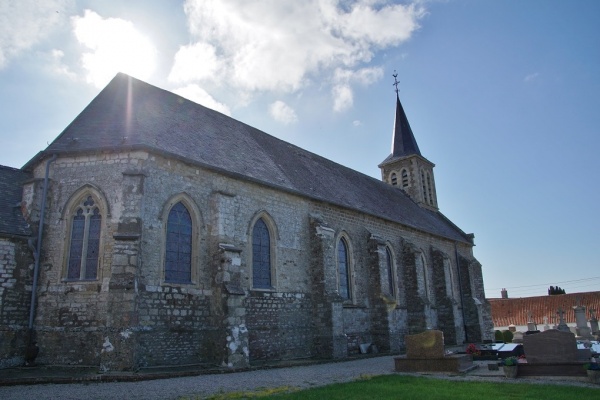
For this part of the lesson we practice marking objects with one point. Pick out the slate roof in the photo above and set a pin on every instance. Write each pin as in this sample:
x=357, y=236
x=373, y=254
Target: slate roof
x=12, y=222
x=404, y=142
x=514, y=311
x=130, y=115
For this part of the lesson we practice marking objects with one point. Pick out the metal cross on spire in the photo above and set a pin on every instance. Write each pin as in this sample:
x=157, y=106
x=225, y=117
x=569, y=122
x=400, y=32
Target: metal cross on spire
x=395, y=75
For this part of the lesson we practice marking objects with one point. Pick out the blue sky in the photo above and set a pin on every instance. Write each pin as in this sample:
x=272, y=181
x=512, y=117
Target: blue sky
x=503, y=96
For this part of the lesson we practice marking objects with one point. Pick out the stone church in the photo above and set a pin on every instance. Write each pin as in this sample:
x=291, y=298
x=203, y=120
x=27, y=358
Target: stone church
x=154, y=231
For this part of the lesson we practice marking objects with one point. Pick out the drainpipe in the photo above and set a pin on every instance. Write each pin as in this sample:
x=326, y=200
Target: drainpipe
x=460, y=290
x=36, y=255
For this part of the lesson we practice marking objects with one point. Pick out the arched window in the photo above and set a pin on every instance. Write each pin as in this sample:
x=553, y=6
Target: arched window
x=390, y=271
x=343, y=270
x=394, y=179
x=261, y=255
x=84, y=244
x=178, y=254
x=405, y=180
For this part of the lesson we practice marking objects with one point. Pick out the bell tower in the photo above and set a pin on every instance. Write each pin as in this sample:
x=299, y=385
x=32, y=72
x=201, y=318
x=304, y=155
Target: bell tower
x=406, y=168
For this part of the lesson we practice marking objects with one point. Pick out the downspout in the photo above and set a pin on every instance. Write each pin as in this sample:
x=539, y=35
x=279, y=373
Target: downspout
x=37, y=253
x=460, y=290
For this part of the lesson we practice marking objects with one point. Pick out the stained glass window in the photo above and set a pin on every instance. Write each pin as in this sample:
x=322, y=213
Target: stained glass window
x=343, y=270
x=178, y=257
x=390, y=271
x=84, y=245
x=261, y=256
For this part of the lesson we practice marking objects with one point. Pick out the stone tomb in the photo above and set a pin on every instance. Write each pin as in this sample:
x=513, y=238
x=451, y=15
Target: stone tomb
x=551, y=352
x=425, y=353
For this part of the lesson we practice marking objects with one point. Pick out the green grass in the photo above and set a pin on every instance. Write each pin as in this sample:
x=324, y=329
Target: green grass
x=410, y=387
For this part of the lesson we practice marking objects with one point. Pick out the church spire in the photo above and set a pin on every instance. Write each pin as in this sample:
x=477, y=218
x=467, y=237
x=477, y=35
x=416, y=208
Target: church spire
x=406, y=168
x=403, y=140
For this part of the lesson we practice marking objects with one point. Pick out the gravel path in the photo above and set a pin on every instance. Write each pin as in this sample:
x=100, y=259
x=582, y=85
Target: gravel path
x=206, y=385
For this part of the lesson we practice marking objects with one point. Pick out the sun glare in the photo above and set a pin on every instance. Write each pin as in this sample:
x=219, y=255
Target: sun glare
x=114, y=46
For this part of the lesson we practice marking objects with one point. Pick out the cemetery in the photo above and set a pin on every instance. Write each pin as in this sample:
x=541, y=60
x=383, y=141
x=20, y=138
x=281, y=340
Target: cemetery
x=553, y=351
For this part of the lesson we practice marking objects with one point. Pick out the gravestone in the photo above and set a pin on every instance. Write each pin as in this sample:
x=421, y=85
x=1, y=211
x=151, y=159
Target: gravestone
x=551, y=346
x=425, y=353
x=562, y=326
x=518, y=337
x=428, y=344
x=593, y=322
x=583, y=330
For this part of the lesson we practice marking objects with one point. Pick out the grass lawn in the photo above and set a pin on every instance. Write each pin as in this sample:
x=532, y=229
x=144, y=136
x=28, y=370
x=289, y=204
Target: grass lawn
x=410, y=387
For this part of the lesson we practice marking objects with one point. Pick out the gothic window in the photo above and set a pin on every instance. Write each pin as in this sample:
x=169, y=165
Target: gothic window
x=261, y=255
x=343, y=270
x=390, y=271
x=394, y=179
x=405, y=180
x=84, y=244
x=178, y=254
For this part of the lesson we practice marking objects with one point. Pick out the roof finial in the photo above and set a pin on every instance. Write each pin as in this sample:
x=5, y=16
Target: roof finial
x=395, y=75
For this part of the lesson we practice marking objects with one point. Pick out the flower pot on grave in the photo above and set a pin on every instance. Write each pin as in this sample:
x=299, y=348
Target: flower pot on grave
x=593, y=376
x=510, y=371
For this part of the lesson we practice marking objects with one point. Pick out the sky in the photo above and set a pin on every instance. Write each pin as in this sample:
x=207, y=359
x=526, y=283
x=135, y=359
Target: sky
x=503, y=96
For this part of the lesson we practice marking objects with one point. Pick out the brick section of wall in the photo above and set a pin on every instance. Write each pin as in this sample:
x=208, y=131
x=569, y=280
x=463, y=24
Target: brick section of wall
x=279, y=326
x=175, y=327
x=16, y=266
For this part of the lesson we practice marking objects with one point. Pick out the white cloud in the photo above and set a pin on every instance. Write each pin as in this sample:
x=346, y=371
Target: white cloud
x=194, y=62
x=57, y=67
x=342, y=97
x=531, y=77
x=283, y=113
x=342, y=94
x=25, y=23
x=267, y=45
x=114, y=45
x=356, y=123
x=198, y=95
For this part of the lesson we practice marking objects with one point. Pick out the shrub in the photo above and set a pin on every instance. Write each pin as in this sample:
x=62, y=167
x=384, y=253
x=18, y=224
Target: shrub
x=498, y=337
x=510, y=361
x=508, y=336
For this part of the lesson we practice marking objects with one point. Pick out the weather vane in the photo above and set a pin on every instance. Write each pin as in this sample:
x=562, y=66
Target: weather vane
x=395, y=75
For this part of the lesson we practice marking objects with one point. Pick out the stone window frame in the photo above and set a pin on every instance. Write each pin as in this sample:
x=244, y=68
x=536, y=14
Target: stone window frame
x=391, y=271
x=449, y=276
x=71, y=207
x=345, y=238
x=424, y=187
x=428, y=298
x=429, y=187
x=197, y=224
x=393, y=178
x=405, y=178
x=274, y=238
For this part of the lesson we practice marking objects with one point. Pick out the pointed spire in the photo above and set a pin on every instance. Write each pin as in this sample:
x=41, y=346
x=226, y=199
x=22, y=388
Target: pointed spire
x=403, y=142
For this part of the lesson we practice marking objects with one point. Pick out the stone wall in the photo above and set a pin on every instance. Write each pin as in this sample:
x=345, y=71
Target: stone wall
x=130, y=318
x=16, y=266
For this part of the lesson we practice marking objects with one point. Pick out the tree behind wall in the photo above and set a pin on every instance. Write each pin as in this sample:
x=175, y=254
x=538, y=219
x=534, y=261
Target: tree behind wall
x=552, y=290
